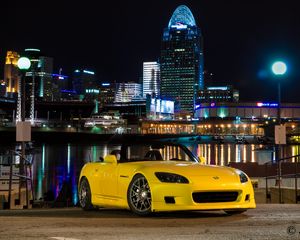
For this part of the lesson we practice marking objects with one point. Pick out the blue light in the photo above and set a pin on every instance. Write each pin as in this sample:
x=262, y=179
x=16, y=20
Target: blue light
x=182, y=16
x=59, y=76
x=105, y=84
x=68, y=91
x=89, y=72
x=218, y=88
x=77, y=71
x=261, y=104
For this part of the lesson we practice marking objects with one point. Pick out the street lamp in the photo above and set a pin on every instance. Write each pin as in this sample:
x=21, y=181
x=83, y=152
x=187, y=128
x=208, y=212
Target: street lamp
x=22, y=128
x=24, y=63
x=279, y=68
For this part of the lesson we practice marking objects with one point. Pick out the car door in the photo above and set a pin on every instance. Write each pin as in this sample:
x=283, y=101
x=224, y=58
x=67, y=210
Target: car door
x=107, y=180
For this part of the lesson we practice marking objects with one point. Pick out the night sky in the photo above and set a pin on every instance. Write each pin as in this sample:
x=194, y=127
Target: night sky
x=241, y=38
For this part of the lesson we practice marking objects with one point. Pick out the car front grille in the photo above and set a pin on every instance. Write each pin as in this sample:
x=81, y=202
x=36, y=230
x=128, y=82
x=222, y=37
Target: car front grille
x=214, y=197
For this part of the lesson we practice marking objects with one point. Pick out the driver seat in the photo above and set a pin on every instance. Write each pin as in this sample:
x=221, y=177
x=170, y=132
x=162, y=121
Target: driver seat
x=154, y=155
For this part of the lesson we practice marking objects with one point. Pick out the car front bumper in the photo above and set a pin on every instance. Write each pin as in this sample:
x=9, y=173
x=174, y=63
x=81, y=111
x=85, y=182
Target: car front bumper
x=182, y=197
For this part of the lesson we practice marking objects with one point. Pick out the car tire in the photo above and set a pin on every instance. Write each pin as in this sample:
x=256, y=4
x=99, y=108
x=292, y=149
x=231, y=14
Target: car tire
x=139, y=195
x=235, y=212
x=85, y=195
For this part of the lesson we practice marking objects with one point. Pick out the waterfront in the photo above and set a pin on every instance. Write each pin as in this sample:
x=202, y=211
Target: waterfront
x=56, y=167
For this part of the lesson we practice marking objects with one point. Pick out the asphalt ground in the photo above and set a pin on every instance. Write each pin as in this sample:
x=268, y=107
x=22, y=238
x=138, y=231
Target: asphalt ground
x=267, y=221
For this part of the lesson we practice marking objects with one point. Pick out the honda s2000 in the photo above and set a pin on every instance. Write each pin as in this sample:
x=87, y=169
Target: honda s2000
x=157, y=177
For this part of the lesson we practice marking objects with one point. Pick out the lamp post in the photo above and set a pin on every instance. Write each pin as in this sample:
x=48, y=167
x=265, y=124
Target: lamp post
x=23, y=65
x=279, y=68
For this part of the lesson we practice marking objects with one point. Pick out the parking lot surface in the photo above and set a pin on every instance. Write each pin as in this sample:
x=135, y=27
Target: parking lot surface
x=267, y=221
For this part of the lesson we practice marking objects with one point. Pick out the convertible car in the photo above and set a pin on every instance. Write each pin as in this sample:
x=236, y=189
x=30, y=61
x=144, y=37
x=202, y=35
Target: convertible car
x=156, y=177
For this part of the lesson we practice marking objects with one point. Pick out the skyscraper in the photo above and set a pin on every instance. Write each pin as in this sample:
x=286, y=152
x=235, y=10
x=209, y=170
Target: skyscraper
x=107, y=93
x=151, y=79
x=46, y=89
x=85, y=83
x=182, y=60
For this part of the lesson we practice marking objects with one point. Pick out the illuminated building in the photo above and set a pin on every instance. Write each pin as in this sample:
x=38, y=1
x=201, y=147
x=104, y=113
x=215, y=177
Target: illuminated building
x=38, y=80
x=218, y=94
x=252, y=111
x=46, y=90
x=182, y=60
x=11, y=72
x=60, y=83
x=107, y=93
x=159, y=109
x=127, y=92
x=151, y=79
x=84, y=83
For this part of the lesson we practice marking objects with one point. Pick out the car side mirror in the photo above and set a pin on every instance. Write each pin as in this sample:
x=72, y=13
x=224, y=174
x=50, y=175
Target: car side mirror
x=202, y=160
x=110, y=159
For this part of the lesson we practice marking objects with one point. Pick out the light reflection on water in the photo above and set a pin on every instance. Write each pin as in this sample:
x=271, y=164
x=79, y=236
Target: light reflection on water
x=58, y=165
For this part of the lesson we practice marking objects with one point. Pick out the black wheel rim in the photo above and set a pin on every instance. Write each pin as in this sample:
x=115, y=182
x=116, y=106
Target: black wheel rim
x=83, y=195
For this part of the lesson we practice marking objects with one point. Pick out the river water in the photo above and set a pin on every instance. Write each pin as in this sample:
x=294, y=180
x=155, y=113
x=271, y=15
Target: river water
x=57, y=166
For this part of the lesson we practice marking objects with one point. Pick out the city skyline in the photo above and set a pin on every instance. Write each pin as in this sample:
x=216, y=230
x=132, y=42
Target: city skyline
x=240, y=39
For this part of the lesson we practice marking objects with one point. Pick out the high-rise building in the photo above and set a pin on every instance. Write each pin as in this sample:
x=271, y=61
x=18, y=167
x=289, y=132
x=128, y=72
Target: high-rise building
x=85, y=83
x=38, y=82
x=40, y=74
x=107, y=93
x=218, y=94
x=151, y=79
x=46, y=90
x=11, y=72
x=182, y=60
x=127, y=92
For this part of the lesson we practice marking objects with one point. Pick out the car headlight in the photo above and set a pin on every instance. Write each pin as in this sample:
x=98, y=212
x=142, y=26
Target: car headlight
x=171, y=177
x=243, y=177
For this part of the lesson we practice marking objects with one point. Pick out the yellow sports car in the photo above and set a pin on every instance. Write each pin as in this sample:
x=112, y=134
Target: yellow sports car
x=160, y=176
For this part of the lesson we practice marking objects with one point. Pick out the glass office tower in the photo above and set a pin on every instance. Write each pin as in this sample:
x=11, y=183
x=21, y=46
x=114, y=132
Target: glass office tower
x=151, y=79
x=182, y=61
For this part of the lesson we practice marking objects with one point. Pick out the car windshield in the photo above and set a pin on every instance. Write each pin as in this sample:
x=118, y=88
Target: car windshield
x=156, y=152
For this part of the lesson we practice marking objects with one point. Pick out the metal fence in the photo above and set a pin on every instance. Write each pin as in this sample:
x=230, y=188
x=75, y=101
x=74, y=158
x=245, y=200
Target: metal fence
x=285, y=176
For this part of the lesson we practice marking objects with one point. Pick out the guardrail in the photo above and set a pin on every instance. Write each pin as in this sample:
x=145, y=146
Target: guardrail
x=295, y=176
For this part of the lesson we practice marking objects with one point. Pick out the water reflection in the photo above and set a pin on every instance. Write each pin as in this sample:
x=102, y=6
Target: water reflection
x=56, y=167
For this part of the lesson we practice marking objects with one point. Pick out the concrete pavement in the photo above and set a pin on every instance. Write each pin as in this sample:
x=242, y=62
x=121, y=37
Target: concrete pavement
x=267, y=221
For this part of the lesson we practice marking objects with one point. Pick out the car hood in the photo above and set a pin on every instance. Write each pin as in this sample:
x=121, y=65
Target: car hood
x=187, y=168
